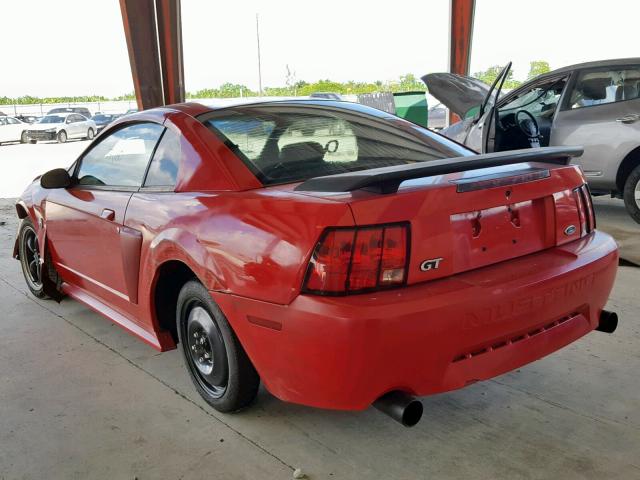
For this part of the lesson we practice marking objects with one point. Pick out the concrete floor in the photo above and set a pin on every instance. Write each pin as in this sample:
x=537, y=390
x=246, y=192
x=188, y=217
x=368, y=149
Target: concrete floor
x=81, y=398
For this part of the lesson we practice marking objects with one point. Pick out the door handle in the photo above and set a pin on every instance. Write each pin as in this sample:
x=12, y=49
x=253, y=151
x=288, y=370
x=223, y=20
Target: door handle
x=628, y=118
x=108, y=214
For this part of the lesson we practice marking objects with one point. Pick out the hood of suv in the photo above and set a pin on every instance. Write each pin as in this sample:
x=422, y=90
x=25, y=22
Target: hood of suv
x=459, y=93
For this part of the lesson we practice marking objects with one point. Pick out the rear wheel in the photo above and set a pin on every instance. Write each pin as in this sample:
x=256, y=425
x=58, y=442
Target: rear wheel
x=24, y=138
x=62, y=136
x=218, y=365
x=631, y=194
x=90, y=134
x=29, y=252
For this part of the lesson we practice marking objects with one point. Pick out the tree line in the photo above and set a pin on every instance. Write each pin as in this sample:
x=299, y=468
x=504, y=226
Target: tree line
x=404, y=83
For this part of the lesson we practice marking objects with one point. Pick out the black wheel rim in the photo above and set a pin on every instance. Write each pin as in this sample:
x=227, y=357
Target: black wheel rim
x=204, y=349
x=30, y=258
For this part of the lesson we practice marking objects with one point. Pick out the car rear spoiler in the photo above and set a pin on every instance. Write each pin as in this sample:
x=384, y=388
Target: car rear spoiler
x=388, y=179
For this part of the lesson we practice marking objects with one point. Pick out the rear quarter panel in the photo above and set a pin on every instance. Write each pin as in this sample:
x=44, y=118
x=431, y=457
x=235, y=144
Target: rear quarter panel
x=253, y=244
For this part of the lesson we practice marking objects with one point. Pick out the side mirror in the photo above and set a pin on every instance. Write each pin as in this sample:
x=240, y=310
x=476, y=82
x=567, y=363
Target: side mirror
x=56, y=178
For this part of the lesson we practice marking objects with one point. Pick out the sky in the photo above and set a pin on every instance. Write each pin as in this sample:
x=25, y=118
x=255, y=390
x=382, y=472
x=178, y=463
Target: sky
x=77, y=47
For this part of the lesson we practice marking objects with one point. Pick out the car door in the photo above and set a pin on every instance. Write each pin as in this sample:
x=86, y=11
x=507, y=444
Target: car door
x=4, y=129
x=14, y=129
x=602, y=113
x=90, y=246
x=79, y=125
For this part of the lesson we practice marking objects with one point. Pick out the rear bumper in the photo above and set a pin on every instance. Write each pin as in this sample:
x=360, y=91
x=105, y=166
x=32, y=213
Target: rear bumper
x=344, y=352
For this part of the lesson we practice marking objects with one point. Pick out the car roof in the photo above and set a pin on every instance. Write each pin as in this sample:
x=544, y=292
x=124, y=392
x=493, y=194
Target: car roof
x=600, y=63
x=222, y=104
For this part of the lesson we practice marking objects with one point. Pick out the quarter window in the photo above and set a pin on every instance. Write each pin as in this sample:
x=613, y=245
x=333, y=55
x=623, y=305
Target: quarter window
x=599, y=88
x=163, y=170
x=121, y=158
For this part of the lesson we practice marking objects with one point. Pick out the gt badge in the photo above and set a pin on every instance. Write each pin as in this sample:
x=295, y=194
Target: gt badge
x=430, y=264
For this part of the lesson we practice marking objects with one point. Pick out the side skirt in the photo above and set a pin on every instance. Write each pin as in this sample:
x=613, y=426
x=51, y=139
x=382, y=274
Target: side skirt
x=103, y=309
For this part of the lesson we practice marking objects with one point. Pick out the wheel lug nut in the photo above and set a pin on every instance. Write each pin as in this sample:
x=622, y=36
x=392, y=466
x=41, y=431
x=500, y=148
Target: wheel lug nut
x=200, y=360
x=195, y=334
x=193, y=347
x=206, y=355
x=202, y=340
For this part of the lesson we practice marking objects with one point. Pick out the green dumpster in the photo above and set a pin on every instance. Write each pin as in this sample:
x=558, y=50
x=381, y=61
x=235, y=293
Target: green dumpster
x=412, y=106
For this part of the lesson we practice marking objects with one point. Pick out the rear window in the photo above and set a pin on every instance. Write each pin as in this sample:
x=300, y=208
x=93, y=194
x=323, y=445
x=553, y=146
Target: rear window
x=286, y=143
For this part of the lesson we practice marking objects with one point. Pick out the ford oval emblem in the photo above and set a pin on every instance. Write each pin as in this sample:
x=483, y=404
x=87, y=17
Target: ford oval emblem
x=570, y=230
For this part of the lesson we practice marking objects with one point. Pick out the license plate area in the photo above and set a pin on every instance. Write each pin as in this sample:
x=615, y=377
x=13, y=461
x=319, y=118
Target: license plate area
x=483, y=237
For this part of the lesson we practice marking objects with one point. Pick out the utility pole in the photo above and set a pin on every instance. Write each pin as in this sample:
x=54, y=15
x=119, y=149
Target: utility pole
x=259, y=66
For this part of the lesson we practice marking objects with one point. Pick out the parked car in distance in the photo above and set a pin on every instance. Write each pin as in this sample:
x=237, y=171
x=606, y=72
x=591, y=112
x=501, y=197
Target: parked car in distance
x=326, y=95
x=130, y=111
x=338, y=254
x=104, y=119
x=12, y=130
x=28, y=118
x=595, y=105
x=81, y=110
x=437, y=117
x=61, y=127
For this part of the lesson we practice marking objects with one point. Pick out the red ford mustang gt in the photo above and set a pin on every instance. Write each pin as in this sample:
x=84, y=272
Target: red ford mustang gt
x=341, y=255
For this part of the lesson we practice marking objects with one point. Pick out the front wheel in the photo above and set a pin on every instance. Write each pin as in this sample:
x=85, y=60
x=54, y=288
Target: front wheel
x=90, y=134
x=631, y=194
x=218, y=365
x=29, y=252
x=62, y=136
x=24, y=138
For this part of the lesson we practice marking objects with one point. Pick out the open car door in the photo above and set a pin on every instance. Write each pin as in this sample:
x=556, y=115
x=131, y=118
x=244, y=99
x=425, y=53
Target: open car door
x=488, y=114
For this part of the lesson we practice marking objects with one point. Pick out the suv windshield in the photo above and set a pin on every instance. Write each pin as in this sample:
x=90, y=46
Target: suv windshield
x=287, y=143
x=52, y=119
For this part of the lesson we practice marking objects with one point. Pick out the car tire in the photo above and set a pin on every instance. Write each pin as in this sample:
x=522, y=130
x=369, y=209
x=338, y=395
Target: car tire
x=24, y=138
x=217, y=364
x=33, y=142
x=62, y=136
x=631, y=194
x=90, y=134
x=29, y=253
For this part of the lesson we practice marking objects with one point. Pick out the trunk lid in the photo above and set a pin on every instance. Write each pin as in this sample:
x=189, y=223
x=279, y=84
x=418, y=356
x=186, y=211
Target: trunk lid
x=468, y=219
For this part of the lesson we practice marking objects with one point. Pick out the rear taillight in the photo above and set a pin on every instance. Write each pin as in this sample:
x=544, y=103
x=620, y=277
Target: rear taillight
x=587, y=216
x=358, y=259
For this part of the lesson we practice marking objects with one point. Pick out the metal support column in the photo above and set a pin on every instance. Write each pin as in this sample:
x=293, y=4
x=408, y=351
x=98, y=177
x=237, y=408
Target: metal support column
x=154, y=40
x=460, y=39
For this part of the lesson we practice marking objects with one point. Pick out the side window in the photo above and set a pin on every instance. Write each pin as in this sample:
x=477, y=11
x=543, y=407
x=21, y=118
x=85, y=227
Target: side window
x=121, y=158
x=602, y=87
x=12, y=121
x=163, y=170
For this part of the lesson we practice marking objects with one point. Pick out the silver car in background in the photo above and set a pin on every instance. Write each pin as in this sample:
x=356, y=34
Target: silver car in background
x=595, y=105
x=61, y=127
